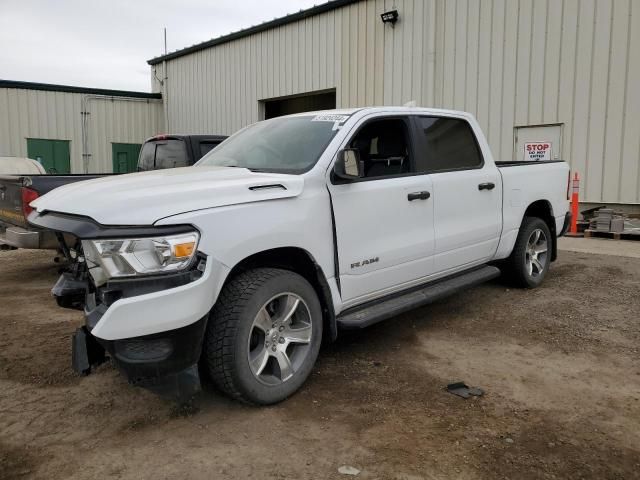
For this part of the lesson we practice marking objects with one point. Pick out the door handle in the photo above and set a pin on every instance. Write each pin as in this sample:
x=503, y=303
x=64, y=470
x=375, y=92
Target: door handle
x=487, y=186
x=418, y=196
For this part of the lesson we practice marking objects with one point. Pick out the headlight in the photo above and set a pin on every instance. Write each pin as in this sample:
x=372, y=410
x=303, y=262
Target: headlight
x=129, y=257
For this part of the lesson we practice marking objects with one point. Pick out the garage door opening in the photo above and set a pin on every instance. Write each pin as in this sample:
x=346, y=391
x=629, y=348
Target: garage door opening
x=307, y=102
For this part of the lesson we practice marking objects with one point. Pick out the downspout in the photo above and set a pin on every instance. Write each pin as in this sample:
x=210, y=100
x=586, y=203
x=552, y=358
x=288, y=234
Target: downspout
x=86, y=156
x=165, y=94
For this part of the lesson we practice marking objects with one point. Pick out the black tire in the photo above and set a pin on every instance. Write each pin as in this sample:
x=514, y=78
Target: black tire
x=519, y=269
x=231, y=331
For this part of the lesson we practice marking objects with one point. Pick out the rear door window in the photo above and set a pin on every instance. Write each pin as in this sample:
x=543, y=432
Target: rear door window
x=171, y=153
x=447, y=144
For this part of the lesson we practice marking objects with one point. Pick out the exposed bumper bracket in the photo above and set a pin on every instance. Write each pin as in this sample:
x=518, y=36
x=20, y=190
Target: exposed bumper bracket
x=86, y=352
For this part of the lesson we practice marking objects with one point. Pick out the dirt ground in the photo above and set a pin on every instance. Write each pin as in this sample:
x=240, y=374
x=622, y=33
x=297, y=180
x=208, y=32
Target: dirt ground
x=560, y=366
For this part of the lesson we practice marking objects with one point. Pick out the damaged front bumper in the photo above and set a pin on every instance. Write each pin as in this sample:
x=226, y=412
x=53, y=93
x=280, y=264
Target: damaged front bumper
x=151, y=326
x=164, y=361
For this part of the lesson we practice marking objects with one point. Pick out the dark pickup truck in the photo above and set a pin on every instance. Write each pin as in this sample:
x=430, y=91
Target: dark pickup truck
x=17, y=191
x=171, y=151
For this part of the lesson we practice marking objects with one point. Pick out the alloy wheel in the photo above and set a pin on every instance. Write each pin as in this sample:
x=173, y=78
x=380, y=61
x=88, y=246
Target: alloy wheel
x=280, y=338
x=536, y=253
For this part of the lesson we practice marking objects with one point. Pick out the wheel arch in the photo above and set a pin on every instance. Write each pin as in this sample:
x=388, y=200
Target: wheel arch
x=300, y=261
x=542, y=209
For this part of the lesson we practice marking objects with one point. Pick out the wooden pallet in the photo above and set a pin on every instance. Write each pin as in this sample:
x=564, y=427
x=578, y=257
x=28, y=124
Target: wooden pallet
x=614, y=235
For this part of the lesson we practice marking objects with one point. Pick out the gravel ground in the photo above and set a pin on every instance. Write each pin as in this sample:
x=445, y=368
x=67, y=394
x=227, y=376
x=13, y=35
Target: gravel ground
x=559, y=364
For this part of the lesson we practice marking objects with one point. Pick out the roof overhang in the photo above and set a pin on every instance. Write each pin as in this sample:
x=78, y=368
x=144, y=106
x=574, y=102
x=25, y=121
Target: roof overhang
x=278, y=22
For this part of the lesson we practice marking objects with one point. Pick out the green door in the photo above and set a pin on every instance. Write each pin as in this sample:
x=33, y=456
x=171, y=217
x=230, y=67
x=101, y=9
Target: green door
x=52, y=154
x=125, y=157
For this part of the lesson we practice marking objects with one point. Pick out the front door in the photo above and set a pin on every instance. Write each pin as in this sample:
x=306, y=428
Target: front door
x=125, y=157
x=384, y=221
x=467, y=193
x=53, y=155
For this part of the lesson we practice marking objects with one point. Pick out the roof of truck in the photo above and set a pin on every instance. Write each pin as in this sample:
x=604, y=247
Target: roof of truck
x=382, y=109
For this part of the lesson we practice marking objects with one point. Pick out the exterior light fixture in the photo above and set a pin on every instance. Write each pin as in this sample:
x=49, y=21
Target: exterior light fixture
x=390, y=17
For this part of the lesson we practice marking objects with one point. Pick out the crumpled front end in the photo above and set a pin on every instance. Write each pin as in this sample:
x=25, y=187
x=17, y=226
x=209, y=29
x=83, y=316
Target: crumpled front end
x=151, y=324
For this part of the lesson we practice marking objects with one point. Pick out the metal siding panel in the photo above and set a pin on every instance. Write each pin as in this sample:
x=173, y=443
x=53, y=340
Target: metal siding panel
x=568, y=66
x=598, y=100
x=582, y=91
x=537, y=64
x=471, y=56
x=523, y=62
x=460, y=55
x=505, y=150
x=429, y=45
x=361, y=54
x=494, y=131
x=422, y=52
x=552, y=62
x=484, y=65
x=330, y=47
x=630, y=171
x=405, y=73
x=448, y=53
x=369, y=53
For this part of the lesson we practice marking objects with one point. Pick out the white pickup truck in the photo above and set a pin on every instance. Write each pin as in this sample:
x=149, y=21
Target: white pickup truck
x=290, y=230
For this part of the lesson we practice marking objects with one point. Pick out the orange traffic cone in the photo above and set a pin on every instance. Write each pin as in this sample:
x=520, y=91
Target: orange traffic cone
x=573, y=230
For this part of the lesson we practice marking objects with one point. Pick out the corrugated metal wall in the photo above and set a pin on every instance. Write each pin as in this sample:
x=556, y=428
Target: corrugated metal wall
x=57, y=115
x=510, y=62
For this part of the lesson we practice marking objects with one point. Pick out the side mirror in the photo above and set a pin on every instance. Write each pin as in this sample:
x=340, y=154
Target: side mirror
x=348, y=164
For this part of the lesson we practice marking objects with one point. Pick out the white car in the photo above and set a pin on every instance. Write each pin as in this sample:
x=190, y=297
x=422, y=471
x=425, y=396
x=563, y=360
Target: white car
x=290, y=230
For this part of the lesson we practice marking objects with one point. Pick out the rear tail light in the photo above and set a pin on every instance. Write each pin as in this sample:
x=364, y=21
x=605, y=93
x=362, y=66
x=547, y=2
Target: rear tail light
x=28, y=196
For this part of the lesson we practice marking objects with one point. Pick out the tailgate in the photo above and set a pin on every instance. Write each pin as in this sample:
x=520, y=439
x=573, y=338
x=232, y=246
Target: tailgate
x=11, y=201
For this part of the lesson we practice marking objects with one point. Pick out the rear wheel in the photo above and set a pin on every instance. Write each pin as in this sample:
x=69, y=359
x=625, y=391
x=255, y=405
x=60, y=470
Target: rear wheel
x=529, y=262
x=263, y=336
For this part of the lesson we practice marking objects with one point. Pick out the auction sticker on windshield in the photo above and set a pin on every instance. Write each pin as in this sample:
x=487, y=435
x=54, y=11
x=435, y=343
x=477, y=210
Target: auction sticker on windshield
x=330, y=117
x=335, y=118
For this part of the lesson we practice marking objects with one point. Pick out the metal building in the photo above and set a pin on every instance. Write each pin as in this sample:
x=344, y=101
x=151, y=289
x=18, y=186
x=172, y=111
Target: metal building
x=545, y=78
x=74, y=129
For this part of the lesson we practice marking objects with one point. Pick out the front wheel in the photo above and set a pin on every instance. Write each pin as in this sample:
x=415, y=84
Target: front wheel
x=263, y=336
x=531, y=257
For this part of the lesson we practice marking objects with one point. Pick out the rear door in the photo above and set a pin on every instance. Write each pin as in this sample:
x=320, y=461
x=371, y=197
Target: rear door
x=384, y=221
x=467, y=193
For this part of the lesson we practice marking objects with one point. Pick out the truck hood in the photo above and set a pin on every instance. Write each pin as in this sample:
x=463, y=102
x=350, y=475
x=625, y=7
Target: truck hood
x=144, y=198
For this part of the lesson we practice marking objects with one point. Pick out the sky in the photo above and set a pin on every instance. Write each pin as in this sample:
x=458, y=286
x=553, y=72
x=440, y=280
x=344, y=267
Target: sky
x=106, y=44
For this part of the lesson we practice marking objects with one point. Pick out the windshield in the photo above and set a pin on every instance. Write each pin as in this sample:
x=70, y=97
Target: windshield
x=283, y=145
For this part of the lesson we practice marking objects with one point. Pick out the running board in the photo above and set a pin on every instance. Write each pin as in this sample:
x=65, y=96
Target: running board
x=374, y=312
